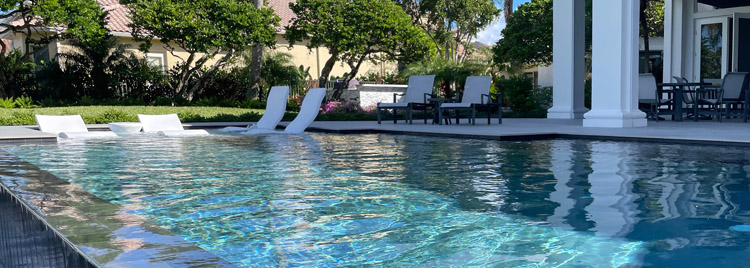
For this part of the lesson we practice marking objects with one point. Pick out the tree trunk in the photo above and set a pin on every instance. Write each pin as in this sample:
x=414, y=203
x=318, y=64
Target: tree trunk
x=199, y=84
x=507, y=8
x=326, y=71
x=353, y=73
x=644, y=34
x=256, y=65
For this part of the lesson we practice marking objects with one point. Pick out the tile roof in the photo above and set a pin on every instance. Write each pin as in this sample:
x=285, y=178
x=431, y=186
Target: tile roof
x=282, y=10
x=119, y=15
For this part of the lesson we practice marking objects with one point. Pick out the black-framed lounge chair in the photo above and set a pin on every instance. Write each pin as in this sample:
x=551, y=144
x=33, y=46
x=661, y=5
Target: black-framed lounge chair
x=725, y=100
x=476, y=97
x=416, y=97
x=650, y=95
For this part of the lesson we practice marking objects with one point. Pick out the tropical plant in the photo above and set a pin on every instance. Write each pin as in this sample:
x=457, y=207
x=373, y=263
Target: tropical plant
x=7, y=103
x=81, y=19
x=451, y=24
x=24, y=102
x=18, y=72
x=94, y=64
x=355, y=31
x=203, y=29
x=278, y=70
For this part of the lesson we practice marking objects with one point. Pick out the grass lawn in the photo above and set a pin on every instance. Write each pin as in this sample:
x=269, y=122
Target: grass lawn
x=108, y=114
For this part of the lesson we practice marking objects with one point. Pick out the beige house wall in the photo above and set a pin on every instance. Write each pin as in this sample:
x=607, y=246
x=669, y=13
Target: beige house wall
x=315, y=58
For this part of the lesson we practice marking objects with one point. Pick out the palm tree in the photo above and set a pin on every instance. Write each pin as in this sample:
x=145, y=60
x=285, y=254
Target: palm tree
x=507, y=8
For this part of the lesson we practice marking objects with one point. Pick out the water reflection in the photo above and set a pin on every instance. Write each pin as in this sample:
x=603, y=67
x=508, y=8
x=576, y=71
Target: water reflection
x=316, y=197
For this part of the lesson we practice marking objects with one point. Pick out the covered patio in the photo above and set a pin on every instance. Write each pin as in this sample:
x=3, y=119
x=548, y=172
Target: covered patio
x=689, y=26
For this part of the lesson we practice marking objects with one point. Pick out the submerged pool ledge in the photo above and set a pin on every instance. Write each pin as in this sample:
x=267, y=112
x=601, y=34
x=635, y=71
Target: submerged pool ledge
x=732, y=133
x=104, y=233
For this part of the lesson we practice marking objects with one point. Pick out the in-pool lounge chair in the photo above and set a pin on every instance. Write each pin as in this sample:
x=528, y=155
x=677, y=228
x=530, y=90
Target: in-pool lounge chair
x=167, y=125
x=308, y=112
x=69, y=127
x=476, y=97
x=417, y=94
x=275, y=108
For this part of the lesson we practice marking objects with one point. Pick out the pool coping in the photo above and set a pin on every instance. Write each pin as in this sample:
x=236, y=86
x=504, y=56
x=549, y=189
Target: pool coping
x=31, y=186
x=369, y=127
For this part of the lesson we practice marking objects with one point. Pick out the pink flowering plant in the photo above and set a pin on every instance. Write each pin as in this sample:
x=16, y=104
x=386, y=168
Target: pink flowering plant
x=341, y=107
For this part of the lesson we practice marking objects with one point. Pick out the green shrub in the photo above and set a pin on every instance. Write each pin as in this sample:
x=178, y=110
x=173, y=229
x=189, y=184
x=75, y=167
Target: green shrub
x=162, y=101
x=19, y=118
x=7, y=103
x=210, y=101
x=518, y=94
x=51, y=102
x=253, y=104
x=113, y=116
x=86, y=101
x=24, y=102
x=293, y=104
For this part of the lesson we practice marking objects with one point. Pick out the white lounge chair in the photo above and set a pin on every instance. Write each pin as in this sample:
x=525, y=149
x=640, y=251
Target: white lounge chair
x=275, y=109
x=308, y=112
x=69, y=127
x=167, y=125
x=416, y=97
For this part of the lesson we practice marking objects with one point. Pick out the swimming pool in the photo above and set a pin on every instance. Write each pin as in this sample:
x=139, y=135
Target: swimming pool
x=390, y=200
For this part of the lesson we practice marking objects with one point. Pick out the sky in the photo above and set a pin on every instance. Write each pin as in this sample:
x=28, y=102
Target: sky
x=491, y=34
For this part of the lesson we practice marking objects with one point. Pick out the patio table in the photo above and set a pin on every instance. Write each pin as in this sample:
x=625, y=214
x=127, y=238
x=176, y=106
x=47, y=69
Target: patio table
x=436, y=102
x=677, y=90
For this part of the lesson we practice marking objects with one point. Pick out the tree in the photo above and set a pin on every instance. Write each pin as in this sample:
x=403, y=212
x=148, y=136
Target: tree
x=527, y=37
x=451, y=24
x=34, y=21
x=256, y=66
x=207, y=27
x=507, y=8
x=96, y=61
x=355, y=31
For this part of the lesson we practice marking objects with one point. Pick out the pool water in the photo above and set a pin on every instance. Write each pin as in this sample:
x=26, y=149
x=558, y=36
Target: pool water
x=324, y=200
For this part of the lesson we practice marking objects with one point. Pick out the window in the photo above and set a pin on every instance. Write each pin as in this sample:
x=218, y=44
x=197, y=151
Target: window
x=156, y=60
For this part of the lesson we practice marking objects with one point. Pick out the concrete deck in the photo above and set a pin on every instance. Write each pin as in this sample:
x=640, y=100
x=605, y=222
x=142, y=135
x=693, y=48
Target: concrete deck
x=707, y=132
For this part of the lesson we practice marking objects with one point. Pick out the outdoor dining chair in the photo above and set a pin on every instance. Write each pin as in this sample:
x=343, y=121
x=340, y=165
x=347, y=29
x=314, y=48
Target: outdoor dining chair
x=649, y=95
x=416, y=97
x=476, y=96
x=726, y=100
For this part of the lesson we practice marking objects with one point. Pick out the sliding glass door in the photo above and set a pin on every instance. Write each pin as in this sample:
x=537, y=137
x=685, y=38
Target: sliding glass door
x=711, y=57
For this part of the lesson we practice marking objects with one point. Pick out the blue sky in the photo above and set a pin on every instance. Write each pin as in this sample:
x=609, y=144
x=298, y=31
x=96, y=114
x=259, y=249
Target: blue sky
x=491, y=34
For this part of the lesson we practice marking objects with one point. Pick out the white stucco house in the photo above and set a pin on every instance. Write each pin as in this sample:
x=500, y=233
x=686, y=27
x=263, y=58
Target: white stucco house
x=703, y=40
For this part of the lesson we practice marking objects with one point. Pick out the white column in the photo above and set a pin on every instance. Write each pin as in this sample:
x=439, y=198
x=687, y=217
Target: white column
x=613, y=207
x=614, y=97
x=562, y=168
x=673, y=19
x=568, y=45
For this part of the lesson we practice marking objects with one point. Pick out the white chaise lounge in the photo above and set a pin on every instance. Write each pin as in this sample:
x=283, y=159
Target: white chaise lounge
x=275, y=109
x=69, y=127
x=308, y=112
x=167, y=125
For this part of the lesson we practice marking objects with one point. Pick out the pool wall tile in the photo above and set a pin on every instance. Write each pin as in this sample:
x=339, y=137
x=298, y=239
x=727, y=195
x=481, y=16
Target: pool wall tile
x=100, y=233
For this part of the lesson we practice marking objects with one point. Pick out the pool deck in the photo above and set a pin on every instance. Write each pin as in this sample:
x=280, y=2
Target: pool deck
x=703, y=132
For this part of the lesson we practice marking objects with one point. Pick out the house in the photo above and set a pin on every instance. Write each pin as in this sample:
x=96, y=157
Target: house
x=703, y=40
x=119, y=19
